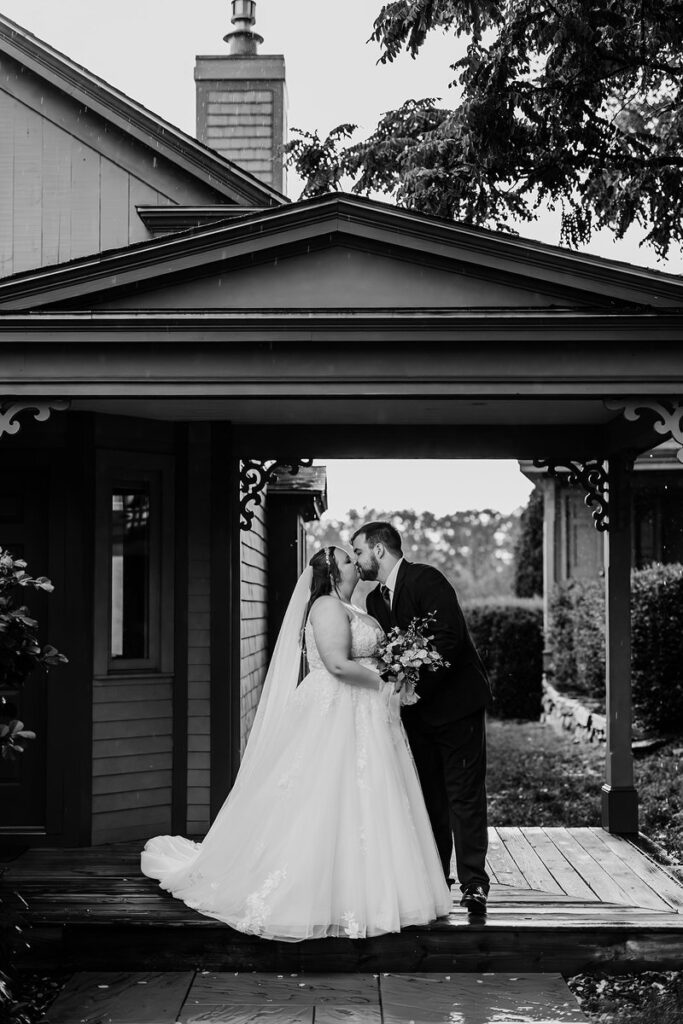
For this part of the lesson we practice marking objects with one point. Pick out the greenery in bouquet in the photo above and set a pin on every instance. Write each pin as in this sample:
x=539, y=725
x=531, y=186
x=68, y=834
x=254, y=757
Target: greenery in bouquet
x=404, y=653
x=20, y=651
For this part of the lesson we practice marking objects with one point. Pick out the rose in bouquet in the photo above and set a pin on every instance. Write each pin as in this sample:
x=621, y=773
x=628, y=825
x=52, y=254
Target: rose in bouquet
x=404, y=653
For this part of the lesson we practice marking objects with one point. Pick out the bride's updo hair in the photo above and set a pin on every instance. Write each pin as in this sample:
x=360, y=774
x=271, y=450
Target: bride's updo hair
x=326, y=575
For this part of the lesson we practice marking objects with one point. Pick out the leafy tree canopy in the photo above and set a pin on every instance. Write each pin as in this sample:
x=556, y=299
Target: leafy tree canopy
x=473, y=549
x=570, y=104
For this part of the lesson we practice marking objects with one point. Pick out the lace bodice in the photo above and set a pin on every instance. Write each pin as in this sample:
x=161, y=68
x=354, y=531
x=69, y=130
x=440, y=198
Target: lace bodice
x=366, y=633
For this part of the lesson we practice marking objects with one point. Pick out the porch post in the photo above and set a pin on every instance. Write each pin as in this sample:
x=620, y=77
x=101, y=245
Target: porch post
x=619, y=797
x=549, y=558
x=225, y=615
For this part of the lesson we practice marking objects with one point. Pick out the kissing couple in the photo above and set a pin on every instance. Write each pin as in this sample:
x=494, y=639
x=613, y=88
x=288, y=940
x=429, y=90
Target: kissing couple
x=350, y=795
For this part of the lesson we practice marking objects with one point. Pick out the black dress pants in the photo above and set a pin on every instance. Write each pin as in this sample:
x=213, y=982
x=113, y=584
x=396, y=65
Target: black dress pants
x=451, y=764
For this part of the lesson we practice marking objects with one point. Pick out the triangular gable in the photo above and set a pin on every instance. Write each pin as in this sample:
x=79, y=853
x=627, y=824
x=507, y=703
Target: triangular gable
x=340, y=252
x=78, y=157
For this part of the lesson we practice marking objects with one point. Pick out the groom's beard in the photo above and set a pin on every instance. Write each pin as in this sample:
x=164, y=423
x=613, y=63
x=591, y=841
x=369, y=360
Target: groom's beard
x=370, y=571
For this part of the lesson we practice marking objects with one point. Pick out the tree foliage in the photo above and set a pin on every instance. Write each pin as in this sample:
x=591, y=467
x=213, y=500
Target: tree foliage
x=528, y=562
x=571, y=104
x=473, y=549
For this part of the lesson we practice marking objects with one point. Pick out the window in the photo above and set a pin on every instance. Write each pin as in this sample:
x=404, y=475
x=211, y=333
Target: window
x=130, y=572
x=133, y=607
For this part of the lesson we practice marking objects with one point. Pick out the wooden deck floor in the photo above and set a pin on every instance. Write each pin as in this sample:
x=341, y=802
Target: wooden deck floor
x=561, y=900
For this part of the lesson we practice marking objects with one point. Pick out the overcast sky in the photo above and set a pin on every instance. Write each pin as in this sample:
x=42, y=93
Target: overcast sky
x=147, y=49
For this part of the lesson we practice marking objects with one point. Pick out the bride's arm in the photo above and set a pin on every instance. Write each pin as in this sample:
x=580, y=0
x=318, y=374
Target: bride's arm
x=332, y=631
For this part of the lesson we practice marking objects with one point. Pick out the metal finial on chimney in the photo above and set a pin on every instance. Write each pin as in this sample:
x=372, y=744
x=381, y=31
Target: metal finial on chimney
x=243, y=40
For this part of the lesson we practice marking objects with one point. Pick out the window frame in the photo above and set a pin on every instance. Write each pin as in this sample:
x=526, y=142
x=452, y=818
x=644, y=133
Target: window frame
x=124, y=471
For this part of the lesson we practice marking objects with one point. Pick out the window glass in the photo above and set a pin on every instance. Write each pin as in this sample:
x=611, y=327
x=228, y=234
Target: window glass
x=130, y=572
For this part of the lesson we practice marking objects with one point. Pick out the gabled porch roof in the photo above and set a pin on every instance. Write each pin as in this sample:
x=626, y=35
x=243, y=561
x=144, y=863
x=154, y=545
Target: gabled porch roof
x=543, y=275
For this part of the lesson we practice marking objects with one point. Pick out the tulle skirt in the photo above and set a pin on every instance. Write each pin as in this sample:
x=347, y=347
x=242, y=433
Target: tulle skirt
x=330, y=838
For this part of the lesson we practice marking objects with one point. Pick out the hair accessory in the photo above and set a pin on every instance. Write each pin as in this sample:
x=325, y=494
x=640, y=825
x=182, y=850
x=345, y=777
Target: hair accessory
x=328, y=559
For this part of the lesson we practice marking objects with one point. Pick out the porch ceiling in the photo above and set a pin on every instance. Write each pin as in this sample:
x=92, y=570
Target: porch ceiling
x=365, y=409
x=399, y=427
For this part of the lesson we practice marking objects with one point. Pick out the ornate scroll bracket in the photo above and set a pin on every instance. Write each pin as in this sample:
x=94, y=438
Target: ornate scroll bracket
x=10, y=410
x=255, y=475
x=669, y=416
x=592, y=477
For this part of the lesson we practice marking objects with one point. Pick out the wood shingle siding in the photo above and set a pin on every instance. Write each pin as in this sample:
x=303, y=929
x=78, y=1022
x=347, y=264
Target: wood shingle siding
x=254, y=630
x=199, y=634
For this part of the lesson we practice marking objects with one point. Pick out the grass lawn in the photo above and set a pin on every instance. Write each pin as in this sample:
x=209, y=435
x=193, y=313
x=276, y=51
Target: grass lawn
x=538, y=776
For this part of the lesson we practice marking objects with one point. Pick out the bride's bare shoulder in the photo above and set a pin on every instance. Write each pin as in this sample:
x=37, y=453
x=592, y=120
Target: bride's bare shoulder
x=327, y=609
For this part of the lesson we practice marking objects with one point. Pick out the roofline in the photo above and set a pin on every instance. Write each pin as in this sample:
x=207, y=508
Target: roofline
x=132, y=118
x=348, y=215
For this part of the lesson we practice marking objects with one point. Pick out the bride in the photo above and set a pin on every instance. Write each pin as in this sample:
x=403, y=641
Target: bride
x=325, y=832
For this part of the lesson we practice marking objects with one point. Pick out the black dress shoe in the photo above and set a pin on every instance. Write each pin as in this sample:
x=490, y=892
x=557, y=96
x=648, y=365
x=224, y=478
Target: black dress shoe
x=474, y=898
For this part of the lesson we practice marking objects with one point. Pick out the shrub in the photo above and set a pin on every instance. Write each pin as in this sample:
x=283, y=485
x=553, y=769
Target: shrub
x=657, y=646
x=528, y=558
x=508, y=634
x=20, y=651
x=576, y=643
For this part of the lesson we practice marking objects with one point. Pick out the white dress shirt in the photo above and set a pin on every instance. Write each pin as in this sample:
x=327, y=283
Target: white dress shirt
x=390, y=583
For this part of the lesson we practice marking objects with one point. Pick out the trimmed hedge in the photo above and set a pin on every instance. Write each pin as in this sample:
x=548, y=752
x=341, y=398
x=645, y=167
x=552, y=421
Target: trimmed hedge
x=577, y=638
x=577, y=643
x=508, y=634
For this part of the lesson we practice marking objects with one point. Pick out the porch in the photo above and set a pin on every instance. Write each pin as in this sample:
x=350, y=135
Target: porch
x=562, y=900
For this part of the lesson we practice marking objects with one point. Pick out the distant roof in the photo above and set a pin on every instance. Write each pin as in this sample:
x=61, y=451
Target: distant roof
x=132, y=118
x=309, y=481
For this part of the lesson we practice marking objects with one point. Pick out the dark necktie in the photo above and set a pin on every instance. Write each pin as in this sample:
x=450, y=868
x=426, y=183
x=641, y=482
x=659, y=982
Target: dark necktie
x=386, y=595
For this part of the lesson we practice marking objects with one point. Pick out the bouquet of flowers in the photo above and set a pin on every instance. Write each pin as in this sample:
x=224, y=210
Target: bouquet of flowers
x=405, y=652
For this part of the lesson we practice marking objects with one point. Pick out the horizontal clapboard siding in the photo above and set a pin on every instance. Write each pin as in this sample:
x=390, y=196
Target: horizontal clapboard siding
x=199, y=634
x=132, y=758
x=254, y=628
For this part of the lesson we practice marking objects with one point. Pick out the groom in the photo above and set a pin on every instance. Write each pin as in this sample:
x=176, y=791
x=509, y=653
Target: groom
x=446, y=727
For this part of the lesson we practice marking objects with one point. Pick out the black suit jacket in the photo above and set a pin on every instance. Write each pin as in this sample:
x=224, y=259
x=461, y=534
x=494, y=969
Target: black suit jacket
x=449, y=693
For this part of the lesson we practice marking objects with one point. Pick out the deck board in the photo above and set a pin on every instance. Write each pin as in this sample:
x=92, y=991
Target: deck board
x=593, y=874
x=640, y=864
x=638, y=892
x=527, y=860
x=557, y=864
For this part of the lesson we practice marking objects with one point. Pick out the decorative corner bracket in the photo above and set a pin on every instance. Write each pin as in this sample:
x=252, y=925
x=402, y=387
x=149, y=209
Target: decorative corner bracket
x=255, y=475
x=10, y=410
x=668, y=416
x=592, y=477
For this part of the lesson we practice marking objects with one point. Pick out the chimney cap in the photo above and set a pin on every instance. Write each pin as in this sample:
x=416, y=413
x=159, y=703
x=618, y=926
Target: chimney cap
x=243, y=41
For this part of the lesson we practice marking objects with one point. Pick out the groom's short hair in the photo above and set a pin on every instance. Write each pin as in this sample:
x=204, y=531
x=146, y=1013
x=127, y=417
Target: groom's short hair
x=381, y=533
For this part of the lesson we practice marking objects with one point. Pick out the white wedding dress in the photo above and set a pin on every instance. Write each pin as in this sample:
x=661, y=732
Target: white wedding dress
x=333, y=839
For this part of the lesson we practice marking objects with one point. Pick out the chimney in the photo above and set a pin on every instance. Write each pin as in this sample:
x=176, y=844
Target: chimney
x=242, y=100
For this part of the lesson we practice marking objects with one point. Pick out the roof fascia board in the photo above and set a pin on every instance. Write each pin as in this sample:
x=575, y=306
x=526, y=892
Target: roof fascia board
x=133, y=118
x=355, y=221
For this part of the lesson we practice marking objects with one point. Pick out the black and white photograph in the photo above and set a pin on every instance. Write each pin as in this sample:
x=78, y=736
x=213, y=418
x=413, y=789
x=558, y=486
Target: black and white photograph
x=341, y=512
